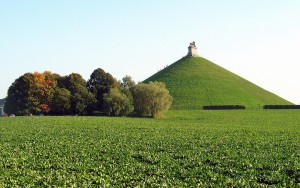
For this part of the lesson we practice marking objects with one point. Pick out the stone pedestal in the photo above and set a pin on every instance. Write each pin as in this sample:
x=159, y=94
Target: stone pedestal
x=192, y=50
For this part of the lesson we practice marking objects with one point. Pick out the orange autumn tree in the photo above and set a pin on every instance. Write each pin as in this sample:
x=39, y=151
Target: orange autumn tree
x=41, y=94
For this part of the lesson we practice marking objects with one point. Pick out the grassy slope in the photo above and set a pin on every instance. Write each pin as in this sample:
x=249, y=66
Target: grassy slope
x=250, y=148
x=195, y=81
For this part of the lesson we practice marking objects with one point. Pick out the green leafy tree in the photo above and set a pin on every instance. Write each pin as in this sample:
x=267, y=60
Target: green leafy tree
x=127, y=82
x=18, y=94
x=117, y=103
x=72, y=81
x=61, y=102
x=61, y=81
x=152, y=99
x=81, y=99
x=127, y=86
x=100, y=83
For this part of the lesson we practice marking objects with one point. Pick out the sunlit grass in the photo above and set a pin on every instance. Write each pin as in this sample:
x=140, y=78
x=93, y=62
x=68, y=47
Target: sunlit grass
x=188, y=149
x=194, y=82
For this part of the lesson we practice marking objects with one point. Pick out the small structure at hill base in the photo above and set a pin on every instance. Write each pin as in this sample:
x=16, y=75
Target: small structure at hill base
x=2, y=101
x=192, y=50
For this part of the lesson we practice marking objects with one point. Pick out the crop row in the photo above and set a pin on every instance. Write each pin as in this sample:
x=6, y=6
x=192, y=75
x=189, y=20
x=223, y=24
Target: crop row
x=188, y=149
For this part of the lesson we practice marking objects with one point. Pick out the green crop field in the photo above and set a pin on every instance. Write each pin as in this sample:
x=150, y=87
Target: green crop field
x=250, y=148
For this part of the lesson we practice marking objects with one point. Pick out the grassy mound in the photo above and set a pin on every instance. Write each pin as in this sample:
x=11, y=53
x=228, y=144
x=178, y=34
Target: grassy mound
x=194, y=82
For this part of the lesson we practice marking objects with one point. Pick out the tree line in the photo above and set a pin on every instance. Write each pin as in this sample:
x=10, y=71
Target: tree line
x=51, y=94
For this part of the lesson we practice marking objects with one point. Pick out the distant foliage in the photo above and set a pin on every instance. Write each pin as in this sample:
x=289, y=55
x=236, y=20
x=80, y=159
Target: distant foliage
x=117, y=103
x=31, y=94
x=52, y=94
x=151, y=99
x=100, y=82
x=18, y=95
x=127, y=82
x=41, y=94
x=49, y=93
x=61, y=102
x=82, y=100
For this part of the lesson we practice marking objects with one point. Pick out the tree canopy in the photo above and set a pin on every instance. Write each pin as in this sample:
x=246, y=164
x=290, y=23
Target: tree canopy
x=127, y=82
x=30, y=94
x=81, y=99
x=100, y=82
x=61, y=102
x=18, y=94
x=151, y=99
x=49, y=93
x=117, y=103
x=41, y=94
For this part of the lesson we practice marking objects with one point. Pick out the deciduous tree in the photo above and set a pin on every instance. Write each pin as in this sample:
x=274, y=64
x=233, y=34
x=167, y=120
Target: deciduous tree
x=82, y=100
x=30, y=94
x=151, y=99
x=100, y=82
x=117, y=103
x=61, y=102
x=41, y=94
x=127, y=82
x=18, y=94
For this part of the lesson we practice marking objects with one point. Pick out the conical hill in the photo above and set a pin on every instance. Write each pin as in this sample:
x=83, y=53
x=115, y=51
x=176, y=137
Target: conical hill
x=194, y=82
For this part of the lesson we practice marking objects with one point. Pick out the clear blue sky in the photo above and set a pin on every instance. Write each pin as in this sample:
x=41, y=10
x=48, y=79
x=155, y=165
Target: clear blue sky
x=258, y=39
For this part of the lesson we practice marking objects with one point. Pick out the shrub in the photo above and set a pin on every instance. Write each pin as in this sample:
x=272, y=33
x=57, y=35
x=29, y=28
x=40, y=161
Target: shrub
x=117, y=103
x=224, y=107
x=151, y=99
x=281, y=106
